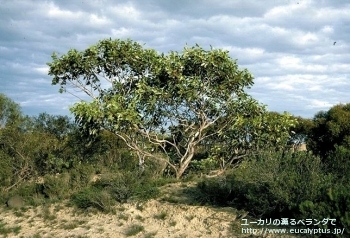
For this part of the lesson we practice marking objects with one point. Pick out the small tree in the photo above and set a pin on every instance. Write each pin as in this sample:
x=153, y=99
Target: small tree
x=156, y=103
x=10, y=113
x=330, y=129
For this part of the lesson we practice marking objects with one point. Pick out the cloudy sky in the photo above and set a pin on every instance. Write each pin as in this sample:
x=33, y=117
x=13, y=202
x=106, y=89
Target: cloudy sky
x=297, y=50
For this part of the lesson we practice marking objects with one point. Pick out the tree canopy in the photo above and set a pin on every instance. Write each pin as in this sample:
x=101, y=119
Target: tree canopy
x=330, y=129
x=10, y=112
x=154, y=101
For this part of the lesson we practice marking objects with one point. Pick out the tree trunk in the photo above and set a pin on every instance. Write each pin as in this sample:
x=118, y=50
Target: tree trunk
x=184, y=163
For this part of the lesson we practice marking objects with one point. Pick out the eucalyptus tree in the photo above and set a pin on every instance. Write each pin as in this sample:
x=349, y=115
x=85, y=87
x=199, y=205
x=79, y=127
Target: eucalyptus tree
x=161, y=105
x=10, y=112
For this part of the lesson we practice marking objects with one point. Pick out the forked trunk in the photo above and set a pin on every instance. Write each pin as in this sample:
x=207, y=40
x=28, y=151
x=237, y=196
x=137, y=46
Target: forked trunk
x=184, y=164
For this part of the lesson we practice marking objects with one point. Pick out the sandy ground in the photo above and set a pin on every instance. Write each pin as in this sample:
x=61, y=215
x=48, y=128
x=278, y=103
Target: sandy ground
x=154, y=218
x=157, y=219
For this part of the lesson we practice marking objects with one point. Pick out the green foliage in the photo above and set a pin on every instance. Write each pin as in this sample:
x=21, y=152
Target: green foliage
x=161, y=216
x=215, y=191
x=80, y=175
x=338, y=164
x=10, y=113
x=126, y=185
x=59, y=126
x=301, y=131
x=116, y=187
x=35, y=146
x=334, y=201
x=204, y=165
x=16, y=150
x=134, y=229
x=83, y=198
x=6, y=172
x=163, y=101
x=271, y=184
x=251, y=134
x=28, y=191
x=55, y=186
x=334, y=204
x=94, y=197
x=331, y=129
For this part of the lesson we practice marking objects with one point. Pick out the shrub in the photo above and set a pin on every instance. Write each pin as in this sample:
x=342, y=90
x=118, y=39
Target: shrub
x=335, y=204
x=127, y=184
x=6, y=172
x=82, y=199
x=338, y=164
x=93, y=197
x=161, y=216
x=134, y=229
x=270, y=184
x=55, y=186
x=80, y=175
x=119, y=187
x=215, y=191
x=204, y=165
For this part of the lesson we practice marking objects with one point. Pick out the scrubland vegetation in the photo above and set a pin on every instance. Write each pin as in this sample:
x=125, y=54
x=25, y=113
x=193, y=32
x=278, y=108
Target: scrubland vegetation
x=240, y=157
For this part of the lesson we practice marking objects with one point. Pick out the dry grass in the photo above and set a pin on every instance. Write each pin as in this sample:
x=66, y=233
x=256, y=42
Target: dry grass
x=154, y=218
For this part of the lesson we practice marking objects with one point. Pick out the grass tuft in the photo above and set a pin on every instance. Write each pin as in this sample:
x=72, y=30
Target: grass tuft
x=134, y=229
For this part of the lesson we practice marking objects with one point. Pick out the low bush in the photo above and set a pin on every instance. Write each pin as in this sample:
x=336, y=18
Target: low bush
x=84, y=198
x=127, y=184
x=80, y=175
x=334, y=204
x=6, y=172
x=55, y=186
x=134, y=229
x=204, y=165
x=271, y=184
x=338, y=164
x=110, y=188
x=29, y=191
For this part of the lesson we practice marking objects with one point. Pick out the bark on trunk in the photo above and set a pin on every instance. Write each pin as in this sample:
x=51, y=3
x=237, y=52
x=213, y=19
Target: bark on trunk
x=184, y=164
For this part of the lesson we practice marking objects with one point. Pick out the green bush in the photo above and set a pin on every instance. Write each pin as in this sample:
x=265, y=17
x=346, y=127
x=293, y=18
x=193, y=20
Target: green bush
x=6, y=173
x=230, y=191
x=122, y=187
x=81, y=174
x=216, y=191
x=134, y=229
x=93, y=197
x=338, y=164
x=127, y=184
x=270, y=184
x=29, y=191
x=83, y=199
x=111, y=188
x=334, y=204
x=55, y=186
x=204, y=165
x=145, y=191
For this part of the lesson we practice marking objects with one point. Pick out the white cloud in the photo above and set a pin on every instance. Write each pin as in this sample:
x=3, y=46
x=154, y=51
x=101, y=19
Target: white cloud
x=42, y=70
x=327, y=29
x=98, y=21
x=55, y=12
x=319, y=104
x=281, y=86
x=121, y=32
x=126, y=11
x=306, y=39
x=287, y=46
